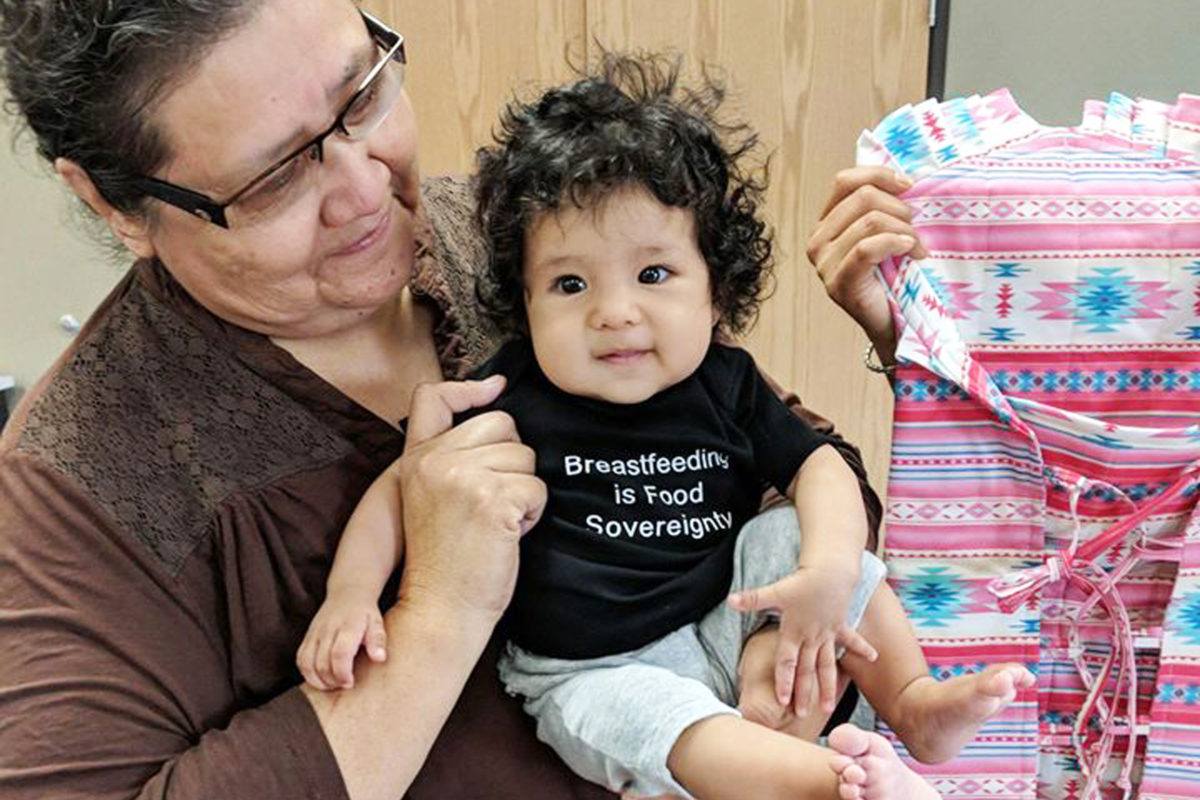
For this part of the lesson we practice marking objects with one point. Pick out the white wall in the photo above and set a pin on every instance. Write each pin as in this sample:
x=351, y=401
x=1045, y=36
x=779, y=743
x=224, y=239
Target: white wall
x=1054, y=54
x=49, y=264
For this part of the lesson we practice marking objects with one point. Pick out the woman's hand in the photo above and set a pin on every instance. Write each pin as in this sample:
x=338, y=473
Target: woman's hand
x=469, y=495
x=862, y=224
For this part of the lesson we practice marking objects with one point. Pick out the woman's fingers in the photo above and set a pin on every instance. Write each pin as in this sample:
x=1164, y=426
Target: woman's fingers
x=865, y=202
x=862, y=224
x=435, y=404
x=859, y=234
x=487, y=428
x=505, y=457
x=469, y=494
x=860, y=259
x=850, y=180
x=528, y=496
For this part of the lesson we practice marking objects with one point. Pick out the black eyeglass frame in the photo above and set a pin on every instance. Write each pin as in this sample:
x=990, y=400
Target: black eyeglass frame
x=204, y=207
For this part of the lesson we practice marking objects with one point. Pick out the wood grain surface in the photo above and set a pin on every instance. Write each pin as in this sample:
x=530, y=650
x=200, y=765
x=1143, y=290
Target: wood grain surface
x=808, y=74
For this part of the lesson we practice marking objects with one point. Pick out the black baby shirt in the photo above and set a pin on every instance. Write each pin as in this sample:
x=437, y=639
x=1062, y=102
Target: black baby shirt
x=645, y=500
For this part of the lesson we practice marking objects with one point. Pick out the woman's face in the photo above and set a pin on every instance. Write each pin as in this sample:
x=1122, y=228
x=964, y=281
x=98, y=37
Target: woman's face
x=343, y=247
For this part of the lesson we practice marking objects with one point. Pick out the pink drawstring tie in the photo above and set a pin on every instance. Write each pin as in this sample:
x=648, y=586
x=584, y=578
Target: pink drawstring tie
x=1077, y=565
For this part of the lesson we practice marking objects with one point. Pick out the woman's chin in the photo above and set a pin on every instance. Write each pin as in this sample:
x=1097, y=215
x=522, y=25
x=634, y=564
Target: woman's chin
x=365, y=296
x=368, y=283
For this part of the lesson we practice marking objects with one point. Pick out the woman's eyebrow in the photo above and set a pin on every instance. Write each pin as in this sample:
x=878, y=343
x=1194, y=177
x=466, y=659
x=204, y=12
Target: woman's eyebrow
x=363, y=60
x=358, y=64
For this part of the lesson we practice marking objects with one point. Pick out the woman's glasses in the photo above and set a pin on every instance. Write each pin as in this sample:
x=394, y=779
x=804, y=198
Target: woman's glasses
x=280, y=184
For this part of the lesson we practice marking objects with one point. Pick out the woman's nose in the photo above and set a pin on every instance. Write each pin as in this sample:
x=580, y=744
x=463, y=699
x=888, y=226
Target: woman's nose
x=354, y=183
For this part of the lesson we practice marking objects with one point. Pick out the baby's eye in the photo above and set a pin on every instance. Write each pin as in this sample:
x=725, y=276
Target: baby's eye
x=655, y=274
x=570, y=284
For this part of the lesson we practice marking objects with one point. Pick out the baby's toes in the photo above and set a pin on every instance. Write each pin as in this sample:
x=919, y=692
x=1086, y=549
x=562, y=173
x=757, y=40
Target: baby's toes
x=851, y=782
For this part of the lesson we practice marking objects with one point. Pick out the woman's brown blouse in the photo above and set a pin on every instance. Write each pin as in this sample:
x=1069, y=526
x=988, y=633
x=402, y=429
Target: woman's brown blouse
x=171, y=495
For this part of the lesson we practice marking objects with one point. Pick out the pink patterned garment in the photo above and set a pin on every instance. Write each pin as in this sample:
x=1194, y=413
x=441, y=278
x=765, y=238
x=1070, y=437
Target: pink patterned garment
x=1046, y=449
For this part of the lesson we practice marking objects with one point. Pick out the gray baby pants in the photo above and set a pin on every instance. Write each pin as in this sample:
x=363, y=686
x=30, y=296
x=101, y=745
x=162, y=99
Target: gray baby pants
x=614, y=719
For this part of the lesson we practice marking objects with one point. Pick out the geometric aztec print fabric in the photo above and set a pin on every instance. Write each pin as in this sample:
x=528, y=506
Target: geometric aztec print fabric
x=1042, y=501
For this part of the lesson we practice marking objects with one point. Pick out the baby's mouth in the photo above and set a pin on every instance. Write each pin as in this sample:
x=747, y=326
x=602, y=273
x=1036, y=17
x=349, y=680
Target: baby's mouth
x=623, y=356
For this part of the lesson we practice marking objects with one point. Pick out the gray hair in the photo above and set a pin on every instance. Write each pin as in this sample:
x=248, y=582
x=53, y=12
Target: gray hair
x=85, y=76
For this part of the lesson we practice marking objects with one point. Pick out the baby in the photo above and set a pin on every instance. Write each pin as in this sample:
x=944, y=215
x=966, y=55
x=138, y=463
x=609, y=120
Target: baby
x=624, y=245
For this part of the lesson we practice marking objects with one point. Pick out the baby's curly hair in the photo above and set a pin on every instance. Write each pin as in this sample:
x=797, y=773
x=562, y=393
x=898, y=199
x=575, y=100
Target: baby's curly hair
x=626, y=122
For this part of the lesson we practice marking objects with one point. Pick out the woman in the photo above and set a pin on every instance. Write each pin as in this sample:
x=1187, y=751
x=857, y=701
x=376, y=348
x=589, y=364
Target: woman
x=172, y=492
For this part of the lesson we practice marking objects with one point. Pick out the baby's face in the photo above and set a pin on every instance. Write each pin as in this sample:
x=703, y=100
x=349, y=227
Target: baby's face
x=618, y=297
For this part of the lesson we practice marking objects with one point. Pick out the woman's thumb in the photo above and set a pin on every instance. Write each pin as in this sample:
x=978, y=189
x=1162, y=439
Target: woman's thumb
x=435, y=404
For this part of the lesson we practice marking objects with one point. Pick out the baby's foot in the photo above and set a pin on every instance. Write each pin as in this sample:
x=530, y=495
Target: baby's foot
x=869, y=769
x=940, y=717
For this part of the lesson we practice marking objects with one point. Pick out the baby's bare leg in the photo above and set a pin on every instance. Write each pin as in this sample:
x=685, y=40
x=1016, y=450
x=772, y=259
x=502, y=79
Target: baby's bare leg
x=934, y=719
x=729, y=758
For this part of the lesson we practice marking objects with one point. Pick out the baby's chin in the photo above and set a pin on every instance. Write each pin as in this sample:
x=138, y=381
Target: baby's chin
x=628, y=386
x=625, y=398
x=618, y=392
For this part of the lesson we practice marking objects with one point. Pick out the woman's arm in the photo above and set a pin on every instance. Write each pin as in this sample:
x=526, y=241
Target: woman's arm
x=469, y=495
x=112, y=688
x=381, y=731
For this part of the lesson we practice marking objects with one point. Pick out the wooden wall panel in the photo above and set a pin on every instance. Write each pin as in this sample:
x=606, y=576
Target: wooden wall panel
x=808, y=74
x=467, y=57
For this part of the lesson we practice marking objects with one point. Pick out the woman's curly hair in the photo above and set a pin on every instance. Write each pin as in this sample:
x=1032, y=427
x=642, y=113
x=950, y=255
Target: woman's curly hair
x=627, y=122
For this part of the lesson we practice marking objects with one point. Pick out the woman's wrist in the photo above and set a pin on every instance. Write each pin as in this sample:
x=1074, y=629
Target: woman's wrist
x=425, y=607
x=873, y=362
x=883, y=343
x=452, y=626
x=403, y=701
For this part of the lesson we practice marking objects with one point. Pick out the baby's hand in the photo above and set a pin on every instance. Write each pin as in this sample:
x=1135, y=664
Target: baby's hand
x=812, y=605
x=345, y=622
